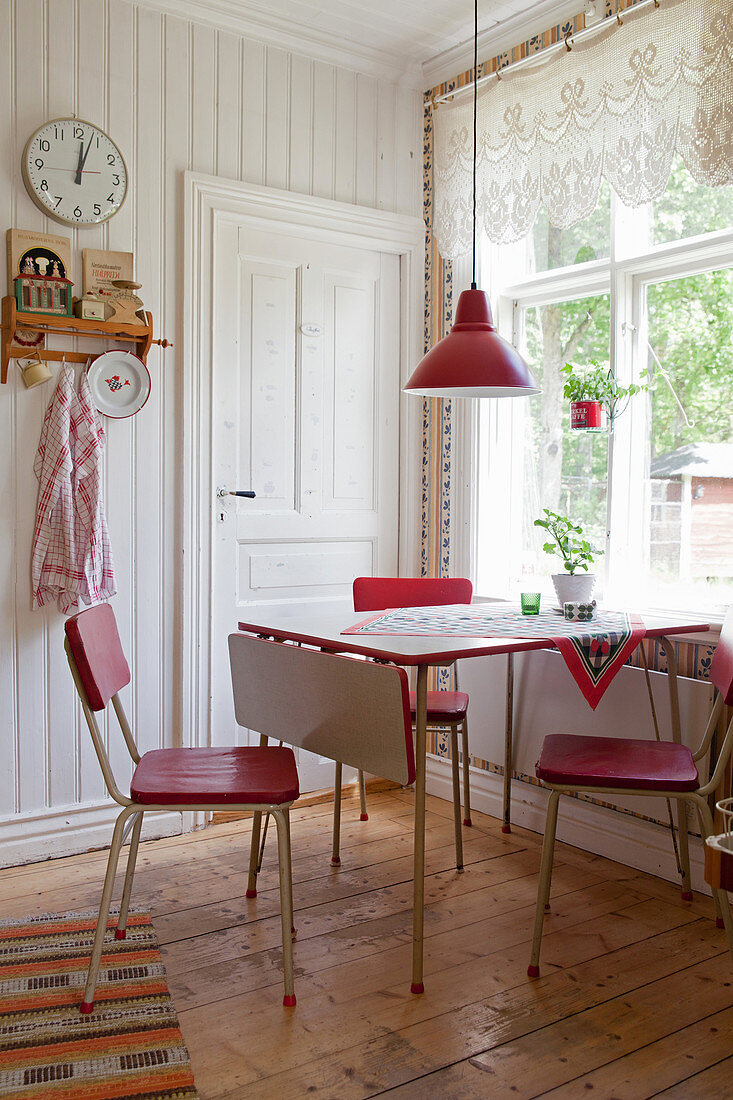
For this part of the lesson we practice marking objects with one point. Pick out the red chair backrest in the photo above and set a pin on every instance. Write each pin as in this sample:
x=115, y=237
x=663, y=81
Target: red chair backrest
x=721, y=670
x=97, y=652
x=378, y=593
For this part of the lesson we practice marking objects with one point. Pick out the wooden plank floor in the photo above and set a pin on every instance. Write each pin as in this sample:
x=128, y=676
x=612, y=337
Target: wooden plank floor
x=635, y=998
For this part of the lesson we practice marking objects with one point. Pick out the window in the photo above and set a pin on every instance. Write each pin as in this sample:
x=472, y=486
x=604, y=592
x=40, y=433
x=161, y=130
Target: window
x=650, y=293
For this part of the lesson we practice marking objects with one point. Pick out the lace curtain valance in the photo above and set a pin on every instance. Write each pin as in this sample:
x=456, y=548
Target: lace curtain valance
x=619, y=105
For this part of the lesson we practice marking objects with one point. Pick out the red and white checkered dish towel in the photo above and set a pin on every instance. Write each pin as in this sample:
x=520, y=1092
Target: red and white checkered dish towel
x=71, y=555
x=93, y=552
x=53, y=561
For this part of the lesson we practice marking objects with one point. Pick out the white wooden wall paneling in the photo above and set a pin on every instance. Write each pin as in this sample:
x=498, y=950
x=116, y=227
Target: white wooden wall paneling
x=324, y=129
x=64, y=771
x=176, y=95
x=120, y=467
x=278, y=118
x=9, y=480
x=301, y=125
x=147, y=558
x=32, y=629
x=254, y=112
x=228, y=100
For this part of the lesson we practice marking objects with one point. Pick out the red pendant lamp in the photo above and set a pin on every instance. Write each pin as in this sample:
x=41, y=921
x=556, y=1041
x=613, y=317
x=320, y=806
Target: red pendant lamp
x=473, y=360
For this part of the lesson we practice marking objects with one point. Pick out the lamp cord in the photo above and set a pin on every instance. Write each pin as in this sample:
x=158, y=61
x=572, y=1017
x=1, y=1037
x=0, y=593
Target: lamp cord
x=475, y=110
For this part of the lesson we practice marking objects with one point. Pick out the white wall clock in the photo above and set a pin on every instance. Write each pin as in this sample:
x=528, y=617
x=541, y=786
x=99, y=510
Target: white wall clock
x=74, y=172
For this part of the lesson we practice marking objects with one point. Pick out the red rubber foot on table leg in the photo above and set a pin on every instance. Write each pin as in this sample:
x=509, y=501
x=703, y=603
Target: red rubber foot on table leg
x=417, y=987
x=506, y=828
x=335, y=860
x=467, y=822
x=120, y=933
x=533, y=971
x=86, y=1007
x=687, y=895
x=719, y=922
x=363, y=817
x=250, y=893
x=289, y=1000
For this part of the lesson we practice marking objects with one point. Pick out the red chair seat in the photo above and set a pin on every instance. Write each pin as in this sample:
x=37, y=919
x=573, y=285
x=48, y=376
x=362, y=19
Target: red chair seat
x=210, y=776
x=443, y=706
x=617, y=762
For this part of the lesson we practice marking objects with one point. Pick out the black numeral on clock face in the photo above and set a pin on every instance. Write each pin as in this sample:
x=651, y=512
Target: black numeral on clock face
x=58, y=200
x=78, y=132
x=111, y=158
x=44, y=146
x=38, y=162
x=77, y=211
x=97, y=209
x=44, y=185
x=110, y=198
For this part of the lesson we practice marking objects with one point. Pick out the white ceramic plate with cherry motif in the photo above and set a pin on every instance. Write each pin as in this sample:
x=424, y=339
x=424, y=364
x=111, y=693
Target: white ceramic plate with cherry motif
x=120, y=383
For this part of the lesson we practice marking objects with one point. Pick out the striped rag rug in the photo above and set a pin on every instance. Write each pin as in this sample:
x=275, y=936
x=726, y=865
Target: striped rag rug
x=129, y=1046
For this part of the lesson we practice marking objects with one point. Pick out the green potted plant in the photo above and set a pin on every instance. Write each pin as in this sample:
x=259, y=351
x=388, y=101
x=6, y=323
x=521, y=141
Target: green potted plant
x=576, y=584
x=593, y=391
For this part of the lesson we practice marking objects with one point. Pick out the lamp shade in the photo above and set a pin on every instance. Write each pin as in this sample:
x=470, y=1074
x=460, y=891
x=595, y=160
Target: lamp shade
x=473, y=360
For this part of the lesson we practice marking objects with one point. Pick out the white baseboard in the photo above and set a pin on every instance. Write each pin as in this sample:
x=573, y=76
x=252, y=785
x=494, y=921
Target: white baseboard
x=629, y=840
x=65, y=831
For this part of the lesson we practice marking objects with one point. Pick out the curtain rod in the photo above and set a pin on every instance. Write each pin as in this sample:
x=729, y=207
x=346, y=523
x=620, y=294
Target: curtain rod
x=566, y=43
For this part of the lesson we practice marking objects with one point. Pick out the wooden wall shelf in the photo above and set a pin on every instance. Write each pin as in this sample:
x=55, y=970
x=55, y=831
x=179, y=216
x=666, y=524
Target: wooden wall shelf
x=14, y=321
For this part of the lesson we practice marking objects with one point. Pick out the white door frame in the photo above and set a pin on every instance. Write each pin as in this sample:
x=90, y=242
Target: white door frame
x=206, y=199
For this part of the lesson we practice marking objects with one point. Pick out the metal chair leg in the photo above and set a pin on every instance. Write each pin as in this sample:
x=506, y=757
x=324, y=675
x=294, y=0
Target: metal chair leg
x=286, y=901
x=87, y=1004
x=466, y=776
x=723, y=918
x=254, y=855
x=684, y=846
x=455, y=770
x=335, y=857
x=363, y=816
x=121, y=929
x=543, y=886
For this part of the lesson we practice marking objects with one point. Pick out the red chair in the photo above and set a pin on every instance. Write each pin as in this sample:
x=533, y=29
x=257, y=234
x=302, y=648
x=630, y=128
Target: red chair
x=172, y=779
x=610, y=765
x=445, y=708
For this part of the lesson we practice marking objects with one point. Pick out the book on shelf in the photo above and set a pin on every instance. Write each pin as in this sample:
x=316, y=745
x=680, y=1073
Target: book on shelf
x=36, y=254
x=101, y=268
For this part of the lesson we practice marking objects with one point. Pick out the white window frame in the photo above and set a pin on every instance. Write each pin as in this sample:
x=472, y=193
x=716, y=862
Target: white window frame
x=492, y=440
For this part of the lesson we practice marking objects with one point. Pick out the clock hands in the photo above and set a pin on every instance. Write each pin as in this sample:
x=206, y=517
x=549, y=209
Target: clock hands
x=82, y=159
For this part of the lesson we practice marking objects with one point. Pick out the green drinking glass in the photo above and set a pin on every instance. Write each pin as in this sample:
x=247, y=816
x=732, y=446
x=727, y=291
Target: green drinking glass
x=530, y=603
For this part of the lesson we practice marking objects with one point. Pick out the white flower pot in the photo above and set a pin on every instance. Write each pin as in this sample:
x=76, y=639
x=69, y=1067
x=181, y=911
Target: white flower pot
x=574, y=587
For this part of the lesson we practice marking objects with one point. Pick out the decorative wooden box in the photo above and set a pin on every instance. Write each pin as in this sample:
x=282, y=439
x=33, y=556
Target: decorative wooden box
x=43, y=294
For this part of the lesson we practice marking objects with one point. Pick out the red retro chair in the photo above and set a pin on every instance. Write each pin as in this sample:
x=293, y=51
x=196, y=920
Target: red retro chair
x=445, y=708
x=171, y=779
x=618, y=765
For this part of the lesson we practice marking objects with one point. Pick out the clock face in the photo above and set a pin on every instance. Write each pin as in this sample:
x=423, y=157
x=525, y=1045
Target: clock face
x=74, y=172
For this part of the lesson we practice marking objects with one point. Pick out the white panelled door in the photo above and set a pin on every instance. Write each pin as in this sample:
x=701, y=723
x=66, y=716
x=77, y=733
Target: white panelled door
x=305, y=347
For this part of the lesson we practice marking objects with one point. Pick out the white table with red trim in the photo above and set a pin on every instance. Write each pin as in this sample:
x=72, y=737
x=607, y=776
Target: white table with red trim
x=323, y=625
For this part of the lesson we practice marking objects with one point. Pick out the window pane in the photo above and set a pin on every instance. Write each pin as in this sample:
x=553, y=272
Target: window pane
x=687, y=208
x=690, y=489
x=565, y=471
x=588, y=240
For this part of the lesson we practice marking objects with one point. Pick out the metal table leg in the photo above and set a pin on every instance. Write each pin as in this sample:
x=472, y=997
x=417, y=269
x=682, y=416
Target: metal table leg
x=674, y=702
x=418, y=896
x=508, y=751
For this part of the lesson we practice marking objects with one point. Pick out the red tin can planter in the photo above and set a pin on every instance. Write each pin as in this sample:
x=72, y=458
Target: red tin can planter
x=585, y=415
